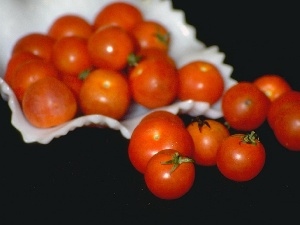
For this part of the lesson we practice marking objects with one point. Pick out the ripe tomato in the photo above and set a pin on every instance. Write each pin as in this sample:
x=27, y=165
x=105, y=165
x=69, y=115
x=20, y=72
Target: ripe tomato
x=272, y=85
x=120, y=14
x=287, y=127
x=153, y=82
x=207, y=135
x=245, y=106
x=28, y=73
x=105, y=92
x=70, y=25
x=162, y=114
x=70, y=55
x=37, y=43
x=109, y=48
x=151, y=34
x=169, y=175
x=14, y=62
x=200, y=81
x=281, y=105
x=48, y=102
x=153, y=135
x=241, y=157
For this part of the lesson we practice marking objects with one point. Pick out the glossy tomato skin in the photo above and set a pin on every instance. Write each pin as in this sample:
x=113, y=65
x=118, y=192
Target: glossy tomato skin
x=153, y=83
x=200, y=81
x=244, y=106
x=154, y=135
x=239, y=160
x=109, y=48
x=120, y=14
x=49, y=102
x=273, y=85
x=68, y=25
x=207, y=135
x=162, y=114
x=105, y=92
x=165, y=183
x=287, y=127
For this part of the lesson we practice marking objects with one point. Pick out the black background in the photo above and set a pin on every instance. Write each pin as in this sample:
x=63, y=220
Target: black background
x=86, y=175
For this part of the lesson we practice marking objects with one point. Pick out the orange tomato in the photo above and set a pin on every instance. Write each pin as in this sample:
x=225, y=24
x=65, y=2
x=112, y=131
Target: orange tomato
x=48, y=102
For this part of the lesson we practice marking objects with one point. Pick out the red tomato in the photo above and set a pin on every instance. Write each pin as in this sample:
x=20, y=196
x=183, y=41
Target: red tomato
x=245, y=106
x=109, y=48
x=281, y=105
x=37, y=43
x=287, y=127
x=169, y=175
x=154, y=135
x=153, y=82
x=120, y=14
x=162, y=114
x=70, y=25
x=200, y=81
x=207, y=135
x=272, y=85
x=14, y=62
x=151, y=34
x=105, y=92
x=241, y=157
x=28, y=73
x=70, y=55
x=48, y=102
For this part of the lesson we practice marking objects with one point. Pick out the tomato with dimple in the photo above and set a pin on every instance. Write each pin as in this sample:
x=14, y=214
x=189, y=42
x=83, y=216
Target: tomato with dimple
x=200, y=81
x=120, y=14
x=37, y=43
x=273, y=85
x=48, y=102
x=153, y=82
x=241, y=157
x=245, y=106
x=70, y=25
x=151, y=34
x=30, y=72
x=153, y=135
x=207, y=135
x=169, y=175
x=109, y=48
x=105, y=92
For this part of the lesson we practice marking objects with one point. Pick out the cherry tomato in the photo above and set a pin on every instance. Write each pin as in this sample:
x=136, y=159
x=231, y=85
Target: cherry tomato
x=272, y=85
x=162, y=114
x=151, y=34
x=241, y=157
x=153, y=83
x=207, y=135
x=169, y=175
x=281, y=105
x=200, y=81
x=120, y=14
x=109, y=48
x=245, y=106
x=48, y=102
x=14, y=62
x=37, y=43
x=153, y=135
x=70, y=25
x=28, y=73
x=105, y=92
x=70, y=55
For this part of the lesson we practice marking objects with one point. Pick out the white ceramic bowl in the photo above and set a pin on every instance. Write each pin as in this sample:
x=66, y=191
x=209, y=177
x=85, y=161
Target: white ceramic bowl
x=21, y=17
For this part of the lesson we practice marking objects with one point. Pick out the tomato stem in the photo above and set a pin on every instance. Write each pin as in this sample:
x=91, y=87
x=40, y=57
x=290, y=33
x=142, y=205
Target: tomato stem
x=251, y=138
x=176, y=160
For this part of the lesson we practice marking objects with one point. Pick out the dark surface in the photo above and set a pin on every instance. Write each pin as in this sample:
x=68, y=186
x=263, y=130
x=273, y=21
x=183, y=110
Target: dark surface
x=87, y=175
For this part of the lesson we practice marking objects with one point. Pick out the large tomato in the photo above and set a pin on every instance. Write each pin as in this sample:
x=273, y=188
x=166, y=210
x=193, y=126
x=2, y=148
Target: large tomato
x=207, y=135
x=169, y=175
x=245, y=106
x=155, y=134
x=241, y=157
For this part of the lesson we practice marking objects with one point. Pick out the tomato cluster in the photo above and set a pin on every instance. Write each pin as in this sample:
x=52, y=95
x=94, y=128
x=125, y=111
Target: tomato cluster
x=118, y=58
